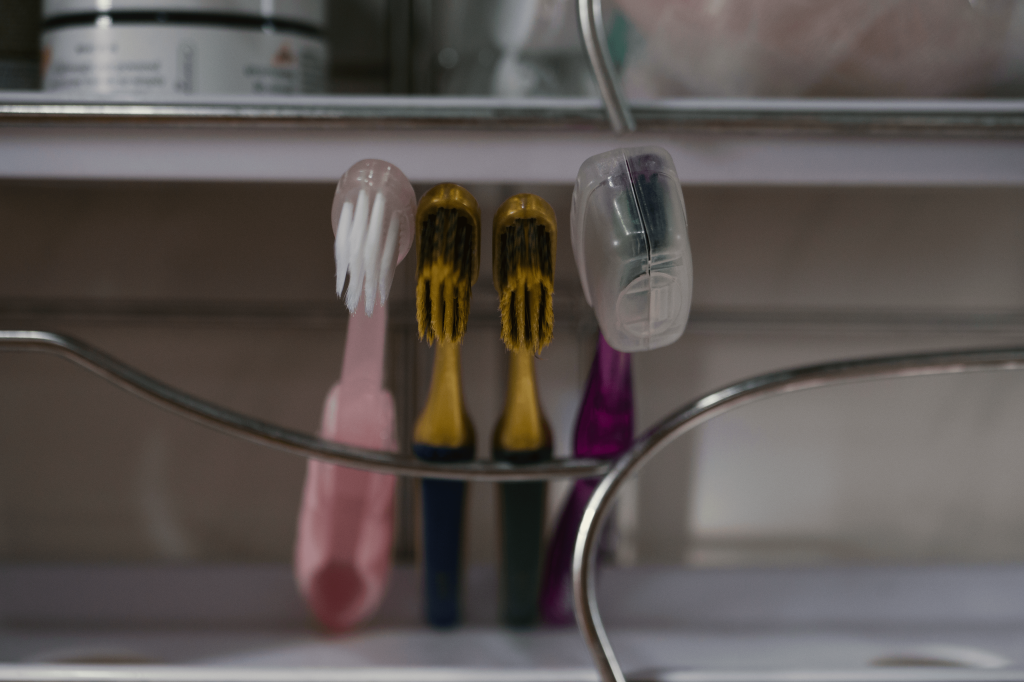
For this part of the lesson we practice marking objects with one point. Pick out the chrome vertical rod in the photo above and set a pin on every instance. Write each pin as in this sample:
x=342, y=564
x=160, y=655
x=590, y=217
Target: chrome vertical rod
x=591, y=25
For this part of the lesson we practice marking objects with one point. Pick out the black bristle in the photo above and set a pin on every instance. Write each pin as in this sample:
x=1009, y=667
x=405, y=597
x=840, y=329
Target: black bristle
x=448, y=236
x=652, y=206
x=461, y=231
x=471, y=246
x=527, y=331
x=442, y=313
x=523, y=275
x=544, y=257
x=428, y=313
x=543, y=306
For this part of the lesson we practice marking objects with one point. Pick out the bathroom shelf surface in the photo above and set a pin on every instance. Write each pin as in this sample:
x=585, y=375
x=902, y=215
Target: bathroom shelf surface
x=483, y=140
x=233, y=623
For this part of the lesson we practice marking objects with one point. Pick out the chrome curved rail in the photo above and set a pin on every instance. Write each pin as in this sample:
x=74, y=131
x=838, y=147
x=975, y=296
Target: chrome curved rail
x=295, y=442
x=646, y=447
x=719, y=402
x=591, y=26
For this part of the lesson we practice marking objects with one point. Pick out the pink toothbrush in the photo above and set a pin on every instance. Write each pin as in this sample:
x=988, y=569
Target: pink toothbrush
x=343, y=546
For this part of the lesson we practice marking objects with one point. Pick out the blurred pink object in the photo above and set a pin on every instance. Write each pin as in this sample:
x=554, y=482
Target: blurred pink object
x=343, y=549
x=876, y=48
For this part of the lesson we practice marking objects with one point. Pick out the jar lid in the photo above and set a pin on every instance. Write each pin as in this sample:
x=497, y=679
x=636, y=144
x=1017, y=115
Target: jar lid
x=310, y=12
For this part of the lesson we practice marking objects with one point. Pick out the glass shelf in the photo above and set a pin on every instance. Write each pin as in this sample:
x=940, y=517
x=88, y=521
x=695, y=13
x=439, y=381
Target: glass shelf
x=484, y=140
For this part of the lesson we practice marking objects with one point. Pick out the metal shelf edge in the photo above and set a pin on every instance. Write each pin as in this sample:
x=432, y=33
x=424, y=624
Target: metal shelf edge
x=895, y=116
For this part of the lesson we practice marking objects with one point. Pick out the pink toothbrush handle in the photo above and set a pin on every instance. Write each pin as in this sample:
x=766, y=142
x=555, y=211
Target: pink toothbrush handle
x=343, y=547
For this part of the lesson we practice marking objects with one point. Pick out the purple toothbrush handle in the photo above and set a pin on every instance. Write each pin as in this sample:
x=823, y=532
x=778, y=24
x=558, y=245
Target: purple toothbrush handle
x=604, y=430
x=556, y=593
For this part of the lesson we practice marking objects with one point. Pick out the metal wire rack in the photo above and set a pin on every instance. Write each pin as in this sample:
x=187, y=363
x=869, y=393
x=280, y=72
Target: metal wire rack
x=644, y=449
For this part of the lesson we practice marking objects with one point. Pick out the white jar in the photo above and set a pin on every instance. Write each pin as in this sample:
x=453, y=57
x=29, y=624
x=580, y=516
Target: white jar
x=164, y=47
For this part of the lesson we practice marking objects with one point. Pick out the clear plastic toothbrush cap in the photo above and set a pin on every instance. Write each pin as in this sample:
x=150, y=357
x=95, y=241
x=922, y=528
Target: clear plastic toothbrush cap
x=628, y=228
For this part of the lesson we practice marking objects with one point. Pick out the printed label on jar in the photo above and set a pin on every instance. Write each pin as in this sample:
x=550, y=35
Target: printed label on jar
x=162, y=60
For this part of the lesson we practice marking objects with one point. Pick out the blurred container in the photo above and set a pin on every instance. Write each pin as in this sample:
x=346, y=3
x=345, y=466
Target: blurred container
x=541, y=50
x=19, y=46
x=872, y=48
x=161, y=47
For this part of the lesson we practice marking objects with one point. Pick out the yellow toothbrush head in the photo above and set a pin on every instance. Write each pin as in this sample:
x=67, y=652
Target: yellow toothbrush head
x=524, y=271
x=447, y=261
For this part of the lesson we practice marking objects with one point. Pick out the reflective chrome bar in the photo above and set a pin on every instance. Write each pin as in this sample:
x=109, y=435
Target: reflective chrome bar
x=591, y=25
x=264, y=433
x=701, y=410
x=1002, y=117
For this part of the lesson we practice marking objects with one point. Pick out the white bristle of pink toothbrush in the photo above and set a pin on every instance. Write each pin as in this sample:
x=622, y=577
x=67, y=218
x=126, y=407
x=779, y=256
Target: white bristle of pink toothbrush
x=365, y=251
x=373, y=212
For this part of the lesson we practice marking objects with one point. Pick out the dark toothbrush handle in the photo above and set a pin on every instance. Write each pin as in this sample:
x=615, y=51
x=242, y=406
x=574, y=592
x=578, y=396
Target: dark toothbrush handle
x=522, y=532
x=443, y=511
